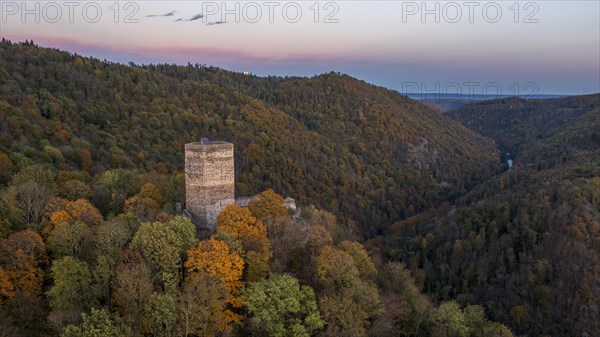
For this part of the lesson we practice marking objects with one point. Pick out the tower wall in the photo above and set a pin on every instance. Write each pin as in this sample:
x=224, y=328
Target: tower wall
x=209, y=181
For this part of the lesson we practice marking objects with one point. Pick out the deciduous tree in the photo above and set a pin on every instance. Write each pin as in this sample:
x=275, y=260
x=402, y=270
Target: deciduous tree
x=349, y=302
x=83, y=211
x=147, y=203
x=451, y=319
x=400, y=287
x=336, y=269
x=98, y=323
x=240, y=223
x=7, y=289
x=32, y=198
x=164, y=245
x=161, y=315
x=280, y=307
x=252, y=234
x=213, y=257
x=204, y=303
x=362, y=261
x=267, y=206
x=23, y=258
x=74, y=190
x=132, y=289
x=67, y=239
x=71, y=291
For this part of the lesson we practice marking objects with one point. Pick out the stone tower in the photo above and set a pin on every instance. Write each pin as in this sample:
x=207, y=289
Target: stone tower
x=209, y=181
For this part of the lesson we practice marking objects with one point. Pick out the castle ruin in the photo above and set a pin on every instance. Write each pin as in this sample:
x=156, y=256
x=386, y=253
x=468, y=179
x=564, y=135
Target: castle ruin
x=209, y=181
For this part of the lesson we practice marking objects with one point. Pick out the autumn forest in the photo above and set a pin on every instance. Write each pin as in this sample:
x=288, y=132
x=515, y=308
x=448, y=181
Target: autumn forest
x=411, y=221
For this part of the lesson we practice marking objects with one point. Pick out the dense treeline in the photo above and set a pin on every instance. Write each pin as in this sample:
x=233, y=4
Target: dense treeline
x=263, y=273
x=526, y=243
x=362, y=152
x=513, y=122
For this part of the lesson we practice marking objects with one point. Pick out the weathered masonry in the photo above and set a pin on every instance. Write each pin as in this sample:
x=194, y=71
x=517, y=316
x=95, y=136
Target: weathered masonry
x=209, y=181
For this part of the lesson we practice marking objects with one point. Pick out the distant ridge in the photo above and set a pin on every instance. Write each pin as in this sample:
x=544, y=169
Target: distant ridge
x=444, y=102
x=440, y=97
x=515, y=122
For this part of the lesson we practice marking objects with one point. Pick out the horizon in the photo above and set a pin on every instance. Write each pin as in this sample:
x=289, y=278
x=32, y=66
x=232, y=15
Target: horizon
x=535, y=48
x=419, y=96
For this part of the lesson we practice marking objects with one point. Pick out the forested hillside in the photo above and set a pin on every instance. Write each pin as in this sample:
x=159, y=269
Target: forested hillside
x=91, y=157
x=525, y=243
x=417, y=229
x=513, y=122
x=363, y=152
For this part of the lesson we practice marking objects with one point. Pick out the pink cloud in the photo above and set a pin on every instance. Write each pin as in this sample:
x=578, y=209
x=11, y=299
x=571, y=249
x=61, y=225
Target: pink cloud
x=173, y=53
x=88, y=47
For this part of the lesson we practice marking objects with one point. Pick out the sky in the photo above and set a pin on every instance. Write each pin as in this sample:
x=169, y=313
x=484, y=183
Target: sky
x=467, y=47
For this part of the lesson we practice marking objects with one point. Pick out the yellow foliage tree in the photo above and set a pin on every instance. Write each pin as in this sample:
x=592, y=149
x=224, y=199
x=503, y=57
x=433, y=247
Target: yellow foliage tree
x=213, y=257
x=252, y=234
x=240, y=223
x=60, y=217
x=84, y=211
x=268, y=204
x=362, y=260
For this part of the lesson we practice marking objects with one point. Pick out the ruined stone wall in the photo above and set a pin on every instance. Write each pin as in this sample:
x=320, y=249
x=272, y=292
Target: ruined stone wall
x=209, y=181
x=244, y=201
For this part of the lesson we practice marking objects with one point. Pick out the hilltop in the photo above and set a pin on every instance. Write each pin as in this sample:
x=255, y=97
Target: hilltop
x=363, y=152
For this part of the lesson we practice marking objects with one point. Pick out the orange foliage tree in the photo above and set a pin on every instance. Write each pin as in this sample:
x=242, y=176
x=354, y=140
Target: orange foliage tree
x=79, y=210
x=268, y=204
x=7, y=288
x=252, y=234
x=213, y=257
x=22, y=257
x=84, y=211
x=240, y=223
x=60, y=217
